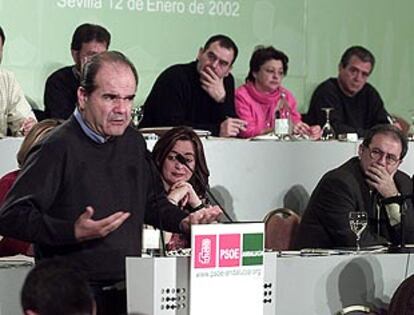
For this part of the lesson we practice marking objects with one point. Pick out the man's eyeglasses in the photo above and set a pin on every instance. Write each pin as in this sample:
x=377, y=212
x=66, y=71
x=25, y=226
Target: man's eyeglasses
x=377, y=154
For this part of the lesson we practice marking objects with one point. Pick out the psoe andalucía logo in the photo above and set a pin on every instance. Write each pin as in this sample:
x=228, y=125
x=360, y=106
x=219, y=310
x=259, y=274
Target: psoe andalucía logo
x=232, y=250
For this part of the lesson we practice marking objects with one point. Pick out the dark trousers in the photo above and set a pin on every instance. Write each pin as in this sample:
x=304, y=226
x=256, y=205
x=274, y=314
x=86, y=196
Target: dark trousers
x=110, y=300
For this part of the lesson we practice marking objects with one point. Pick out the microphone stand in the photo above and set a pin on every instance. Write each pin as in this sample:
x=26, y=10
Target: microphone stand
x=181, y=159
x=152, y=169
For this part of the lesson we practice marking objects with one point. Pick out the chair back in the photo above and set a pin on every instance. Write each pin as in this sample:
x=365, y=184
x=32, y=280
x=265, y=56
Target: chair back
x=280, y=229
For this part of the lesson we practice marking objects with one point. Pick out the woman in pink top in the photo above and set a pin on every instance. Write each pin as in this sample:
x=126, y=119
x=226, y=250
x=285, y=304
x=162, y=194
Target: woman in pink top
x=256, y=100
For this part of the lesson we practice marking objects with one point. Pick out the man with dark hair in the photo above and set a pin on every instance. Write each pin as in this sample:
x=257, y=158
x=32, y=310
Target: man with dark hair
x=54, y=287
x=199, y=94
x=2, y=41
x=61, y=86
x=357, y=106
x=87, y=189
x=16, y=115
x=359, y=185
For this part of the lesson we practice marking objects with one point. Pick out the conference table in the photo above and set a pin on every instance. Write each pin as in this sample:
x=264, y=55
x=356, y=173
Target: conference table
x=293, y=284
x=250, y=178
x=13, y=271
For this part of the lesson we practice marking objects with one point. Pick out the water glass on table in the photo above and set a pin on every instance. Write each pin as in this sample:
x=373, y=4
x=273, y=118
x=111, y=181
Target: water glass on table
x=358, y=221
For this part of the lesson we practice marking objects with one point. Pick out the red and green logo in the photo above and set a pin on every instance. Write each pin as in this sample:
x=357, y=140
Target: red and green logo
x=232, y=250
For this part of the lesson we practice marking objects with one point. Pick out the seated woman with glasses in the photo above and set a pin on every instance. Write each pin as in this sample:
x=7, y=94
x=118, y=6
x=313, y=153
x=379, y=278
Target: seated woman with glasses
x=182, y=186
x=257, y=99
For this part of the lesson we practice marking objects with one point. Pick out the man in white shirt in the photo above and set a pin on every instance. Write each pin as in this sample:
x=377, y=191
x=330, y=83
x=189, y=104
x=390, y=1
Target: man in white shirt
x=15, y=112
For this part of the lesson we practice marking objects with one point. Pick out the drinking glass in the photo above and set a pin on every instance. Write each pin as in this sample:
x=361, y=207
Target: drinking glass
x=358, y=221
x=137, y=115
x=327, y=131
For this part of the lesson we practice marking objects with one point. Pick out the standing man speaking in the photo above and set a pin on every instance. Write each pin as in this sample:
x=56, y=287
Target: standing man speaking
x=88, y=187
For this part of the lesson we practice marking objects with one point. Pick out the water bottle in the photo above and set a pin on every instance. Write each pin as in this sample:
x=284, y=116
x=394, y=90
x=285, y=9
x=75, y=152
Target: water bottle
x=283, y=122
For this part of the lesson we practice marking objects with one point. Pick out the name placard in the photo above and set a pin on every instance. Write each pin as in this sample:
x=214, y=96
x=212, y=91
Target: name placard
x=227, y=269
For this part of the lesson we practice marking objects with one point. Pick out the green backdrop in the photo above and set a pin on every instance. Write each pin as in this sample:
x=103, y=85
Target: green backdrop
x=158, y=33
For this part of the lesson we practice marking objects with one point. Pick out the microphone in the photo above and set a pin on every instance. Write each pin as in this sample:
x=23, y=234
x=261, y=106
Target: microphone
x=154, y=169
x=181, y=159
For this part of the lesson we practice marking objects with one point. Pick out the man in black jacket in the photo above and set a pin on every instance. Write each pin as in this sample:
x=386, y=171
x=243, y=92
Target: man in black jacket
x=357, y=105
x=359, y=185
x=199, y=94
x=61, y=86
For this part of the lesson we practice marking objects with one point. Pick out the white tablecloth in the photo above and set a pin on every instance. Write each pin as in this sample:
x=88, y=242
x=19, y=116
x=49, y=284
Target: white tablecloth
x=253, y=177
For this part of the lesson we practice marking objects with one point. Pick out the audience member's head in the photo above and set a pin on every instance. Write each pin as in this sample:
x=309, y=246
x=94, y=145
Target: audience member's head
x=184, y=141
x=384, y=145
x=106, y=93
x=265, y=64
x=53, y=287
x=218, y=54
x=2, y=36
x=37, y=133
x=355, y=67
x=2, y=40
x=391, y=131
x=88, y=40
x=402, y=301
x=361, y=53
